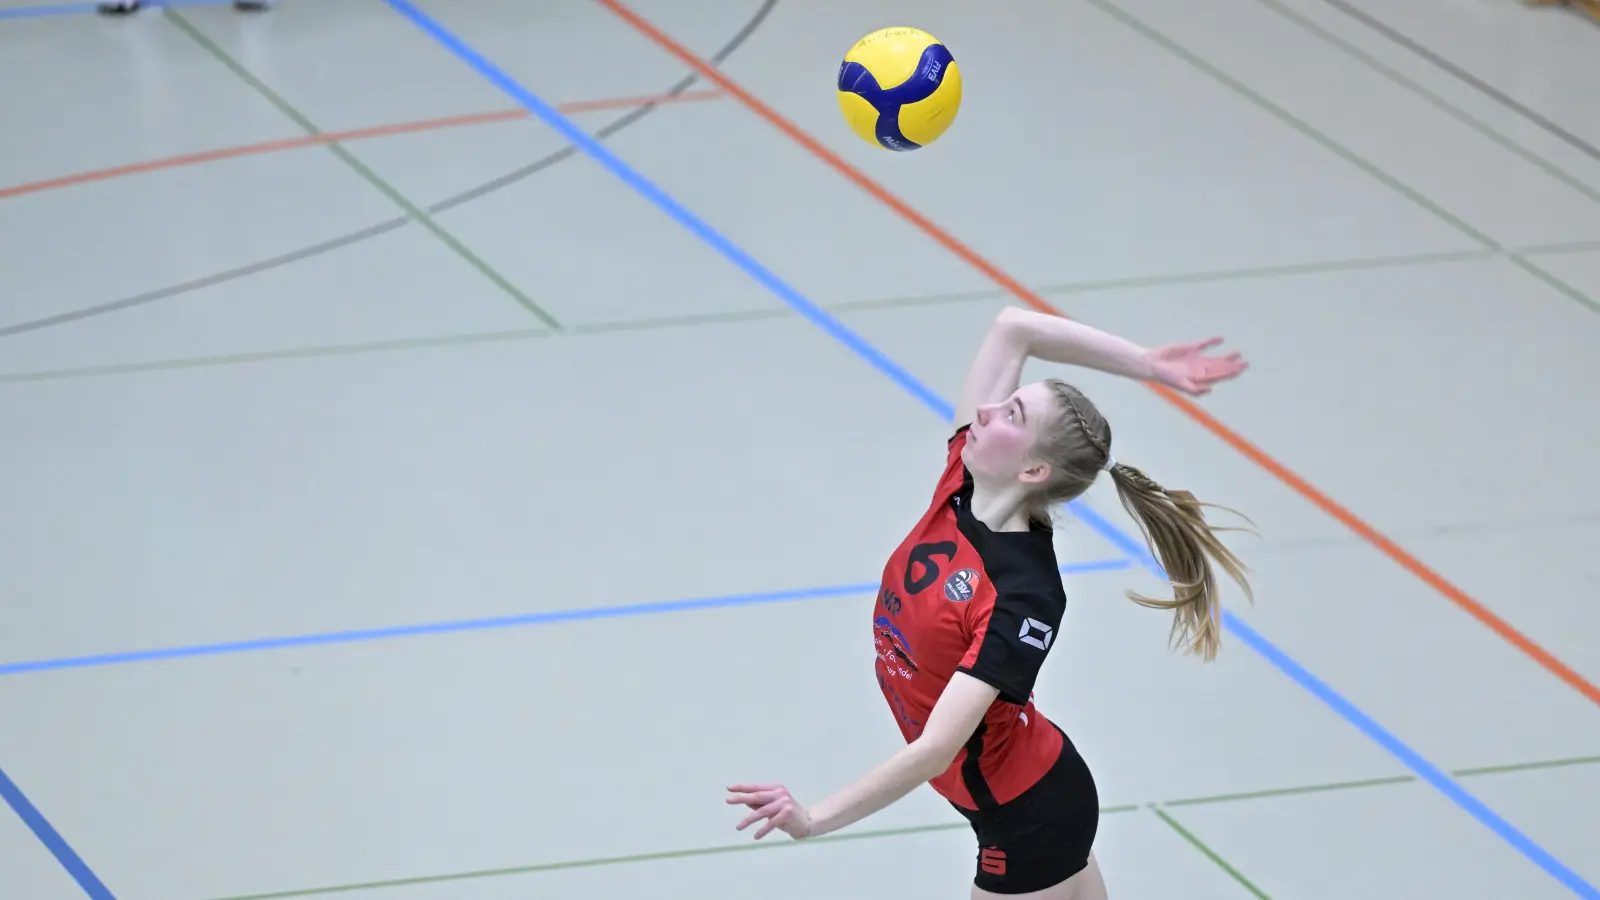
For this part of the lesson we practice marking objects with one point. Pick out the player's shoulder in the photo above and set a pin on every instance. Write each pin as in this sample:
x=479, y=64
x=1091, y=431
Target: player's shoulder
x=1043, y=601
x=1016, y=560
x=1024, y=576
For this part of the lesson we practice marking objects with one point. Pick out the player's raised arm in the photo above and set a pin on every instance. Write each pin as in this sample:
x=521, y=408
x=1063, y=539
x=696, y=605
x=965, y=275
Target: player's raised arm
x=1017, y=334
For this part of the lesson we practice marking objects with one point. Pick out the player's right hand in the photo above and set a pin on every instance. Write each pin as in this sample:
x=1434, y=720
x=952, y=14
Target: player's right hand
x=1187, y=367
x=774, y=803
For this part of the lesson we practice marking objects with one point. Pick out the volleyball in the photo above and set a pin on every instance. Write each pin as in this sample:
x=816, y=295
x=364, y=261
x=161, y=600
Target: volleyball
x=899, y=88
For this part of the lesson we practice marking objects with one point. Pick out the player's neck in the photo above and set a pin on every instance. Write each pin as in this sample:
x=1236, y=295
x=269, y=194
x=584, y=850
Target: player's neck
x=1001, y=510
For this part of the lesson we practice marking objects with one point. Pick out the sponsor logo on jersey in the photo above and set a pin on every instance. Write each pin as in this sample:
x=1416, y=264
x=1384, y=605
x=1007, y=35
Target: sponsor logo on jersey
x=961, y=585
x=893, y=649
x=1036, y=633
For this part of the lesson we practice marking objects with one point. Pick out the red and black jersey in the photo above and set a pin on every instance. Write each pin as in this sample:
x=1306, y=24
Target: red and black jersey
x=957, y=596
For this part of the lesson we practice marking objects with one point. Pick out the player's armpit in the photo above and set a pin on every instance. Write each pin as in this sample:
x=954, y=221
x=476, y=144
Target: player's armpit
x=1010, y=645
x=956, y=715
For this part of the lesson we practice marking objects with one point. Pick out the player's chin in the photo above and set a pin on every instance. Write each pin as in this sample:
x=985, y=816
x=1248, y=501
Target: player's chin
x=977, y=457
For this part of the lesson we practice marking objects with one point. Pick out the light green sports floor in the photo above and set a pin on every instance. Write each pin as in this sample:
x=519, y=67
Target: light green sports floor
x=396, y=503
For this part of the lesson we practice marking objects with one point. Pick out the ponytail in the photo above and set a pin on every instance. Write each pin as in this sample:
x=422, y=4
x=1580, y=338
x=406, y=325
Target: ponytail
x=1176, y=530
x=1173, y=522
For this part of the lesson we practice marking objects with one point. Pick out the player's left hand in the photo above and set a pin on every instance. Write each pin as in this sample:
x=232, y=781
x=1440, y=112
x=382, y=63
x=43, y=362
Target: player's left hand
x=1188, y=368
x=773, y=803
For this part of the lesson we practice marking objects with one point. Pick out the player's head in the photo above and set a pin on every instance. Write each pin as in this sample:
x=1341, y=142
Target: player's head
x=1052, y=440
x=1046, y=437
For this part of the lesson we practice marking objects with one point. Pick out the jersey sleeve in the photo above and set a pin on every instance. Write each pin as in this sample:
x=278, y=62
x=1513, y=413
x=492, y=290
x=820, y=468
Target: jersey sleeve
x=1011, y=640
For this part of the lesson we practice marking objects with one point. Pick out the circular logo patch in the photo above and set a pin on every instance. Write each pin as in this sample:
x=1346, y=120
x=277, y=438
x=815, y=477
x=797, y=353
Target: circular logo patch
x=960, y=586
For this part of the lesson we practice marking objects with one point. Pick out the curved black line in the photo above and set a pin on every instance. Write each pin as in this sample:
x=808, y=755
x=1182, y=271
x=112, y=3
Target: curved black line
x=373, y=231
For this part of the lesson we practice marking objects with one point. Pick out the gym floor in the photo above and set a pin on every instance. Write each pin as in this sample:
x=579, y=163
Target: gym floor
x=411, y=496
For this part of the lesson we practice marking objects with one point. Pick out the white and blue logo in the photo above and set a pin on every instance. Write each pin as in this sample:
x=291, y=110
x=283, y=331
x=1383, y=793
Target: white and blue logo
x=961, y=586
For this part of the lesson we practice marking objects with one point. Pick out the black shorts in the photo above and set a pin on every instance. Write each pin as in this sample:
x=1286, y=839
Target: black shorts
x=1042, y=837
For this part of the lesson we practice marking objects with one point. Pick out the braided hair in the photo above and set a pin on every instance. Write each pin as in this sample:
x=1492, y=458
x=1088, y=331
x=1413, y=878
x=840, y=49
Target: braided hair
x=1173, y=522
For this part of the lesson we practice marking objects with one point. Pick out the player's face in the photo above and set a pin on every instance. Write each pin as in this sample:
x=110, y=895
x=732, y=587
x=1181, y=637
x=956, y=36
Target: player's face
x=1000, y=442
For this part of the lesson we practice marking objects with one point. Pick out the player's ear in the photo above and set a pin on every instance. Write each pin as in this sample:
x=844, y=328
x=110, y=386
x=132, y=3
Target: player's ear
x=1035, y=473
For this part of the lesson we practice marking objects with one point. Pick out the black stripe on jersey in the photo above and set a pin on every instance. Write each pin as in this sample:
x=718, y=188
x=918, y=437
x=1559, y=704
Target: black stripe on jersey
x=1029, y=600
x=972, y=775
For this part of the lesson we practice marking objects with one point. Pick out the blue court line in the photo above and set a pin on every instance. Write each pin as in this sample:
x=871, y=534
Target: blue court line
x=546, y=617
x=705, y=232
x=1351, y=713
x=1429, y=772
x=939, y=405
x=47, y=10
x=52, y=839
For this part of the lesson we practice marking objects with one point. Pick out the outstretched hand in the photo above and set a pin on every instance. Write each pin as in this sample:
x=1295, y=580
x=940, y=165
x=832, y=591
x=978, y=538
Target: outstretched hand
x=1188, y=368
x=773, y=803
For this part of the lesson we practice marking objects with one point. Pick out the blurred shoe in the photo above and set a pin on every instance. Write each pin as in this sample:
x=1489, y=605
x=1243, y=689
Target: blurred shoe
x=123, y=7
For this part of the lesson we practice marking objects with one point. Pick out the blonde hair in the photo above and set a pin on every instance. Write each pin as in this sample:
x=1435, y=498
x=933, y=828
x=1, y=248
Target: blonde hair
x=1173, y=522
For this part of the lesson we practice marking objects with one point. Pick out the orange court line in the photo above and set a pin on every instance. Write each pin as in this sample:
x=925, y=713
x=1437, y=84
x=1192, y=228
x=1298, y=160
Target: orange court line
x=1183, y=404
x=438, y=124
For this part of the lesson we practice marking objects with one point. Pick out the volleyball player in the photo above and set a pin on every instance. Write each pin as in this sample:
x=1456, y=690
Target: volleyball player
x=971, y=602
x=124, y=7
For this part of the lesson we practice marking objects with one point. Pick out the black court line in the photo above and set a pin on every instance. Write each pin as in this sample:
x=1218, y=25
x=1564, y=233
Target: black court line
x=1470, y=79
x=382, y=228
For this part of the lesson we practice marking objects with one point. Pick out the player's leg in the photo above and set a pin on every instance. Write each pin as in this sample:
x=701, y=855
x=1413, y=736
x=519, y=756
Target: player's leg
x=1090, y=884
x=124, y=7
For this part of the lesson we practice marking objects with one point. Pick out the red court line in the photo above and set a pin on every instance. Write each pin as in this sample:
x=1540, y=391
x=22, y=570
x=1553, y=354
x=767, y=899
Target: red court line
x=1183, y=404
x=438, y=124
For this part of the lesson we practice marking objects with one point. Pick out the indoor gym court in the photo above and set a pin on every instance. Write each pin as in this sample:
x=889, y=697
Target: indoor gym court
x=450, y=442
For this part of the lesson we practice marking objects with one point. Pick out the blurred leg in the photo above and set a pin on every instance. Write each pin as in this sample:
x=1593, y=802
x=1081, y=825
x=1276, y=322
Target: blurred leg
x=124, y=7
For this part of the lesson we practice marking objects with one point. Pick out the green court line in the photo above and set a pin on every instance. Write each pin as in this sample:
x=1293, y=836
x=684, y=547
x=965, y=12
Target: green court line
x=1560, y=247
x=1243, y=274
x=1527, y=767
x=769, y=843
x=1291, y=791
x=662, y=322
x=872, y=834
x=1571, y=292
x=416, y=213
x=1416, y=87
x=1209, y=853
x=1378, y=782
x=234, y=359
x=770, y=313
x=780, y=843
x=1340, y=150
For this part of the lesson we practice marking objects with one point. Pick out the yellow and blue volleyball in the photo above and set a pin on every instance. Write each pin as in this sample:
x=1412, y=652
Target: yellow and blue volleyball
x=899, y=88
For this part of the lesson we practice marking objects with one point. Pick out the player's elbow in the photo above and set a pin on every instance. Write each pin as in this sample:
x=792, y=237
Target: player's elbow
x=937, y=751
x=1010, y=320
x=1013, y=325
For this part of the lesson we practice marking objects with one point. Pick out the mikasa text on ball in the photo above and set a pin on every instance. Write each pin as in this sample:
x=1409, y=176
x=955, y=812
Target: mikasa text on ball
x=899, y=88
